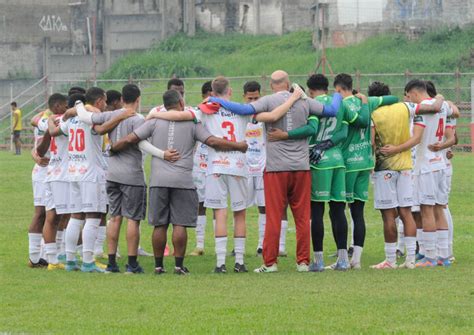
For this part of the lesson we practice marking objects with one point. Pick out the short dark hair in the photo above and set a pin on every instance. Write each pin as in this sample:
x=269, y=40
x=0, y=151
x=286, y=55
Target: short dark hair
x=56, y=98
x=431, y=88
x=415, y=84
x=318, y=82
x=93, y=94
x=175, y=82
x=76, y=89
x=171, y=98
x=206, y=87
x=74, y=97
x=378, y=89
x=130, y=93
x=252, y=86
x=13, y=103
x=344, y=80
x=113, y=96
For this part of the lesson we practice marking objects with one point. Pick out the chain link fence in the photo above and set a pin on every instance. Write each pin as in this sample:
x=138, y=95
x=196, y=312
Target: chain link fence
x=454, y=86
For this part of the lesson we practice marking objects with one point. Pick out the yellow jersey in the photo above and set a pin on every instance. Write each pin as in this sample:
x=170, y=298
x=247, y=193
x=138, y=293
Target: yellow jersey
x=392, y=126
x=17, y=114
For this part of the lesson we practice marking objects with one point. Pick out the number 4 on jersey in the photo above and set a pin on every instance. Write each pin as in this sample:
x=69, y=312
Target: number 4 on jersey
x=440, y=130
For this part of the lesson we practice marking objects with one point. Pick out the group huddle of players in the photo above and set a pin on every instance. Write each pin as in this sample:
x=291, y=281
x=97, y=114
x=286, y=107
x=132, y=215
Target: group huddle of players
x=291, y=148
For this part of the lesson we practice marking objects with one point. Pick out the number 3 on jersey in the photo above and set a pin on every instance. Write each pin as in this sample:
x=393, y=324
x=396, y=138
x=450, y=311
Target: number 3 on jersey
x=230, y=129
x=76, y=140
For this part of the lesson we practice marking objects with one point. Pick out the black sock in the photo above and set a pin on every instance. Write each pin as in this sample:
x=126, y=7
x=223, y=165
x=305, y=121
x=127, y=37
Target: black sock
x=178, y=262
x=112, y=259
x=317, y=225
x=132, y=261
x=357, y=213
x=158, y=262
x=339, y=223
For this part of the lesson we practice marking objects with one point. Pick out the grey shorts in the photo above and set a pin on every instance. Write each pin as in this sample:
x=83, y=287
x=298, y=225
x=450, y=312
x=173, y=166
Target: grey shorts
x=175, y=206
x=126, y=200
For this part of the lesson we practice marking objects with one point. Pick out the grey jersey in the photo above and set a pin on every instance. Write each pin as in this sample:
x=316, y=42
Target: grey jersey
x=289, y=155
x=125, y=167
x=181, y=136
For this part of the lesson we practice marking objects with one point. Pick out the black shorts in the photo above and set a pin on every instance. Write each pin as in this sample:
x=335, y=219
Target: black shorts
x=126, y=200
x=175, y=206
x=16, y=134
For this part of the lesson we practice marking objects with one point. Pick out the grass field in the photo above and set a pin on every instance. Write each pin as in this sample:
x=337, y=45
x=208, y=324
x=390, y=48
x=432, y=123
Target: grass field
x=366, y=301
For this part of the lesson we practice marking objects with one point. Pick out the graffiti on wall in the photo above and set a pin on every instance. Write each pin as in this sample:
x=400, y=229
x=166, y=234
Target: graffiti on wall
x=52, y=23
x=418, y=9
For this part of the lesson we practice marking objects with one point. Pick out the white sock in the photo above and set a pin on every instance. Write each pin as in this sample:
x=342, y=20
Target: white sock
x=284, y=228
x=356, y=254
x=200, y=231
x=410, y=244
x=401, y=234
x=99, y=242
x=449, y=218
x=442, y=240
x=239, y=249
x=34, y=246
x=59, y=241
x=73, y=231
x=419, y=238
x=262, y=221
x=391, y=252
x=318, y=257
x=342, y=255
x=42, y=253
x=221, y=250
x=89, y=236
x=429, y=241
x=51, y=251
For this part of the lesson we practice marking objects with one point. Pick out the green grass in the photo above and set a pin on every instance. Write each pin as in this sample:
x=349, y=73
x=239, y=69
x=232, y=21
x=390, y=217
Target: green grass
x=366, y=301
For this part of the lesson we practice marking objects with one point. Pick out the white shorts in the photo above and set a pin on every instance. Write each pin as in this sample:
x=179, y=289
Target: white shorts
x=39, y=193
x=255, y=193
x=431, y=189
x=57, y=196
x=393, y=189
x=199, y=179
x=218, y=186
x=87, y=197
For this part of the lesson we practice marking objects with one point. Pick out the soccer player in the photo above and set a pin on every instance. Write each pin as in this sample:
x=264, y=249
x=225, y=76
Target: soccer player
x=126, y=188
x=199, y=179
x=393, y=186
x=429, y=166
x=87, y=181
x=287, y=178
x=16, y=127
x=57, y=186
x=38, y=177
x=173, y=198
x=448, y=141
x=114, y=100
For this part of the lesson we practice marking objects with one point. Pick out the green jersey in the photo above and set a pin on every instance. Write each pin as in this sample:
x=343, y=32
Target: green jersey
x=357, y=149
x=332, y=158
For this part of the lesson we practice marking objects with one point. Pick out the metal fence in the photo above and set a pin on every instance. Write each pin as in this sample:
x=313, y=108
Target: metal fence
x=454, y=86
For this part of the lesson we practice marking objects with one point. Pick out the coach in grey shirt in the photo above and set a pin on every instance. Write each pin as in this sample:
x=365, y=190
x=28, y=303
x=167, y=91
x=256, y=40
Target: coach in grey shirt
x=287, y=179
x=173, y=198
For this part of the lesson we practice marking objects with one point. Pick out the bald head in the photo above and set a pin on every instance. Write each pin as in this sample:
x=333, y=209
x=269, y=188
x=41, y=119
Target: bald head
x=279, y=81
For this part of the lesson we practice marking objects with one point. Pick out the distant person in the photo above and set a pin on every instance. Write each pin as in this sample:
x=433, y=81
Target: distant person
x=16, y=127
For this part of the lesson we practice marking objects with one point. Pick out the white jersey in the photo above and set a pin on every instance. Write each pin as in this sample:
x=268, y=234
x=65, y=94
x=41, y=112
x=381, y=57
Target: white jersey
x=230, y=126
x=200, y=158
x=39, y=172
x=58, y=163
x=434, y=126
x=86, y=159
x=256, y=152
